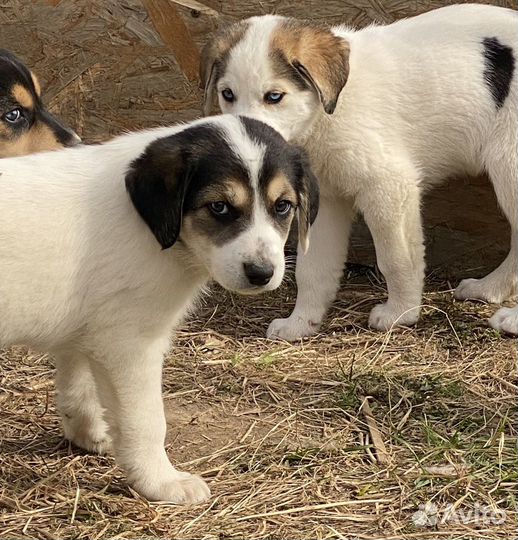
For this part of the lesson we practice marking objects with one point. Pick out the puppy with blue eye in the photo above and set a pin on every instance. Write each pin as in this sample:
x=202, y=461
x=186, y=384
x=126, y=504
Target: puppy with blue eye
x=25, y=124
x=385, y=113
x=104, y=249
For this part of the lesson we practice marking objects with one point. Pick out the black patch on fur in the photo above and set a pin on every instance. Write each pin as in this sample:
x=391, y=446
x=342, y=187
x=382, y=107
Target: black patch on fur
x=289, y=159
x=499, y=68
x=164, y=181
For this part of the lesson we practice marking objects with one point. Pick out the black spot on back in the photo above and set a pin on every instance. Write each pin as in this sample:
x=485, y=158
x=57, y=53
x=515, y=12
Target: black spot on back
x=499, y=68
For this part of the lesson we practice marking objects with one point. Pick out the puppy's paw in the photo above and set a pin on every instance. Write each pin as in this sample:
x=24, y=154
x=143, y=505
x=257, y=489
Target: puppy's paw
x=90, y=435
x=479, y=289
x=182, y=488
x=291, y=329
x=505, y=320
x=385, y=316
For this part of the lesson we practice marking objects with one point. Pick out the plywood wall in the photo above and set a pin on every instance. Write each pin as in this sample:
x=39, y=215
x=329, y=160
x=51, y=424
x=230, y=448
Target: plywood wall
x=113, y=65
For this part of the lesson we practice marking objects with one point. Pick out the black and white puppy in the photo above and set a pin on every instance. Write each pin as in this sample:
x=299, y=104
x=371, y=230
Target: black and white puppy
x=103, y=249
x=25, y=124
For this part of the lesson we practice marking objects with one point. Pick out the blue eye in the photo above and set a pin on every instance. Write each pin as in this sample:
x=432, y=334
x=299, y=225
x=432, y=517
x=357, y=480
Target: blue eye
x=273, y=97
x=228, y=95
x=13, y=116
x=283, y=207
x=219, y=208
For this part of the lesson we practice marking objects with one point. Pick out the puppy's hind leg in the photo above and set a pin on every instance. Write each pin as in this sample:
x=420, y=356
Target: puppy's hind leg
x=78, y=403
x=129, y=376
x=501, y=165
x=318, y=271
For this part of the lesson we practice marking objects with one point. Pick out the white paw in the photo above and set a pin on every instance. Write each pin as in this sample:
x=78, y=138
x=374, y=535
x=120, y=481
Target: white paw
x=91, y=435
x=479, y=289
x=505, y=320
x=182, y=488
x=385, y=316
x=291, y=329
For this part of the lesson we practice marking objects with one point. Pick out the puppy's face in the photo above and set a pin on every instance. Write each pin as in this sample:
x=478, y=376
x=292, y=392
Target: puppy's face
x=25, y=125
x=227, y=189
x=278, y=70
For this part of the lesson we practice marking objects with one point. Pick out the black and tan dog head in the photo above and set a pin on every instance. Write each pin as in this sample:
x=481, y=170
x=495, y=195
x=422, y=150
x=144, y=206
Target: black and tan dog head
x=280, y=70
x=25, y=124
x=228, y=189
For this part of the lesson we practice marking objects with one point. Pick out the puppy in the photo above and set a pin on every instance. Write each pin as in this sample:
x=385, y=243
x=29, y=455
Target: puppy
x=25, y=124
x=103, y=249
x=384, y=113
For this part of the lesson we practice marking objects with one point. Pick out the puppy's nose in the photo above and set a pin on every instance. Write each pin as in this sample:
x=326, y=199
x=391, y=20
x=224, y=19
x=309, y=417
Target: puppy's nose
x=258, y=274
x=73, y=138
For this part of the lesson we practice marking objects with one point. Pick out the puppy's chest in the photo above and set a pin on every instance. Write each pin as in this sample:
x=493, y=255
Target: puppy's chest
x=339, y=164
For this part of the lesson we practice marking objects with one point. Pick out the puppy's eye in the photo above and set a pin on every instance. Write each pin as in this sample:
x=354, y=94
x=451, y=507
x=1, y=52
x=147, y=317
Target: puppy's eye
x=283, y=207
x=228, y=95
x=13, y=116
x=219, y=208
x=273, y=97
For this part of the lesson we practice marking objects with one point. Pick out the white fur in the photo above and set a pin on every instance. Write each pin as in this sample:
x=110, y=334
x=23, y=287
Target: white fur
x=82, y=276
x=415, y=110
x=505, y=320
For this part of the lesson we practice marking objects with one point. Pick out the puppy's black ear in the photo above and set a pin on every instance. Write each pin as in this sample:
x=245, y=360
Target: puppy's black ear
x=157, y=183
x=309, y=196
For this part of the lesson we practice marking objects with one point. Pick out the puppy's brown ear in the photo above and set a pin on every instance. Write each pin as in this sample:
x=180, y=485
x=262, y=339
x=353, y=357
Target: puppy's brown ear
x=157, y=183
x=309, y=196
x=209, y=58
x=214, y=57
x=320, y=58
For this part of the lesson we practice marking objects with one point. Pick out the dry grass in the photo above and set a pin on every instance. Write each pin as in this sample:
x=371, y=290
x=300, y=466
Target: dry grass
x=283, y=434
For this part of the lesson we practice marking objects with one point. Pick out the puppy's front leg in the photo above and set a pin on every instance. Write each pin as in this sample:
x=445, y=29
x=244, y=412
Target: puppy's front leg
x=130, y=388
x=78, y=403
x=318, y=271
x=394, y=219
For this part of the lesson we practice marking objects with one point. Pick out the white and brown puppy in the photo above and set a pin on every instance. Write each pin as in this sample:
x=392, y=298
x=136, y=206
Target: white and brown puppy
x=104, y=248
x=26, y=126
x=384, y=112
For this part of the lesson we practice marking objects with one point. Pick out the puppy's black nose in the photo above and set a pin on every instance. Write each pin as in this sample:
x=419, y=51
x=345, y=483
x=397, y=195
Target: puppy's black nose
x=258, y=274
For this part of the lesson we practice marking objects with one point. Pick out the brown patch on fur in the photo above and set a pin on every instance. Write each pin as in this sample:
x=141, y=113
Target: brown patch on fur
x=22, y=96
x=202, y=228
x=320, y=57
x=232, y=191
x=214, y=58
x=284, y=71
x=280, y=188
x=38, y=139
x=36, y=83
x=43, y=138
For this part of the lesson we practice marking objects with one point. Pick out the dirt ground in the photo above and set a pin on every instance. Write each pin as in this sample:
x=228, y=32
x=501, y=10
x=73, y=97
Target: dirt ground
x=353, y=434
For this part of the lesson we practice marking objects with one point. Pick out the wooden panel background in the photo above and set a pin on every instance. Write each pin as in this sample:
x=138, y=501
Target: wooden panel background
x=115, y=65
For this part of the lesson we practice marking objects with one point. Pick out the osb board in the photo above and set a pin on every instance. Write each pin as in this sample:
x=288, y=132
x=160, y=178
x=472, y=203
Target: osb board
x=113, y=65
